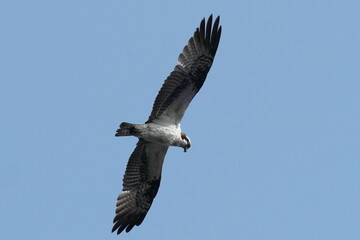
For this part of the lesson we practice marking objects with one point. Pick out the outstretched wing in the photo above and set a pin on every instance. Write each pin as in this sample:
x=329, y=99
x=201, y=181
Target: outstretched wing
x=140, y=185
x=189, y=75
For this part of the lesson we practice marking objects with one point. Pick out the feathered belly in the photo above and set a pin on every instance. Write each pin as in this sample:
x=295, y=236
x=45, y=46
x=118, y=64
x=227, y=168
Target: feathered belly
x=164, y=135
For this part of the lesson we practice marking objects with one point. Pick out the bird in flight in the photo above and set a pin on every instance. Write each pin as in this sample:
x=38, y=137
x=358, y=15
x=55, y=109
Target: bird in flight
x=143, y=172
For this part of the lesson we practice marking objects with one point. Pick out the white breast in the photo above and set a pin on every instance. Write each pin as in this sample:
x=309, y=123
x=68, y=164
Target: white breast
x=161, y=133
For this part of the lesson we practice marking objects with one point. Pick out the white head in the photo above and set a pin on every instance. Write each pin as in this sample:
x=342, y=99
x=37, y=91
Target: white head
x=186, y=143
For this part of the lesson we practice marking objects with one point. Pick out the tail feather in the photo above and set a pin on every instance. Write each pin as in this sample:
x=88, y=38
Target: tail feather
x=126, y=129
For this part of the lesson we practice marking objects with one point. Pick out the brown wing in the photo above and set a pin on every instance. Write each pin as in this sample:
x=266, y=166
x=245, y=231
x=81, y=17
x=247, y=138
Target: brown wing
x=140, y=185
x=189, y=75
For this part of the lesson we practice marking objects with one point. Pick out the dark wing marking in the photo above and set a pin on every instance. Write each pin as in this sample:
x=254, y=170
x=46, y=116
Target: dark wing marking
x=189, y=75
x=140, y=185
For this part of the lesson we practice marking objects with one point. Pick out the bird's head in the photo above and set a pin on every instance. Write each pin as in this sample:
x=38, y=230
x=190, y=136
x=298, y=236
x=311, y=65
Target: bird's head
x=186, y=143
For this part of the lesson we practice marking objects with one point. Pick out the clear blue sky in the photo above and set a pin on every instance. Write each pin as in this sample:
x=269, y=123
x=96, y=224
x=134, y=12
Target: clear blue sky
x=275, y=129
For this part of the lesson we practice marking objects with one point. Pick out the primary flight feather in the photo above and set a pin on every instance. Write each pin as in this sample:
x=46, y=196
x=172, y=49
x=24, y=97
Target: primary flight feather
x=143, y=172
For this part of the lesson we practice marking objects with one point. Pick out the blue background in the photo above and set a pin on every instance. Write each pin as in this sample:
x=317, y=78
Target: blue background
x=275, y=129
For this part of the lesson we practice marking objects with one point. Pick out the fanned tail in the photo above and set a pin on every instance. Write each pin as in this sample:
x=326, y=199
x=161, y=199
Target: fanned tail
x=126, y=129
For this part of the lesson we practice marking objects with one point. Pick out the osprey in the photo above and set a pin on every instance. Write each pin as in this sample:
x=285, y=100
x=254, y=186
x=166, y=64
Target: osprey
x=143, y=172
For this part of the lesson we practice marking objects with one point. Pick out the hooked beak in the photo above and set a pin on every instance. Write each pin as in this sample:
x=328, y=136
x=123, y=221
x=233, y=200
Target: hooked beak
x=187, y=146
